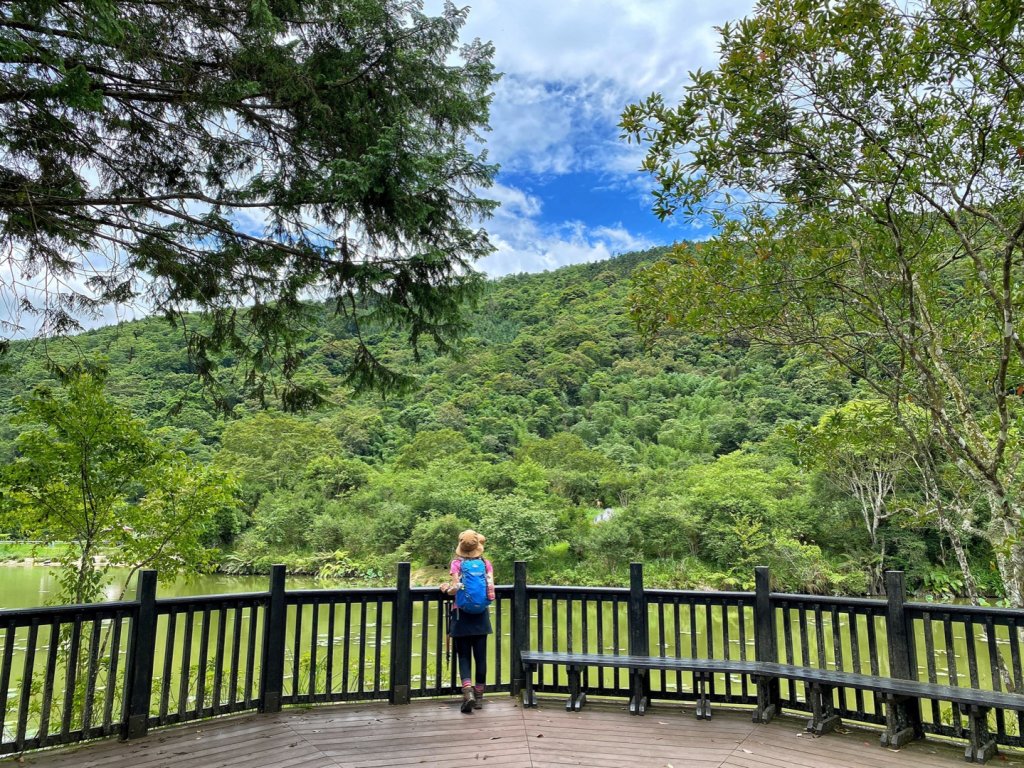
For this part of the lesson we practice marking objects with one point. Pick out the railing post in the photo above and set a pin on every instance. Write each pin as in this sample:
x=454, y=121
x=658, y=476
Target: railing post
x=639, y=644
x=903, y=719
x=140, y=659
x=765, y=645
x=897, y=635
x=401, y=638
x=639, y=639
x=275, y=626
x=520, y=626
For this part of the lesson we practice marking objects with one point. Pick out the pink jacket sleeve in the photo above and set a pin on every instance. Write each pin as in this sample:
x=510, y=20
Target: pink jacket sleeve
x=490, y=579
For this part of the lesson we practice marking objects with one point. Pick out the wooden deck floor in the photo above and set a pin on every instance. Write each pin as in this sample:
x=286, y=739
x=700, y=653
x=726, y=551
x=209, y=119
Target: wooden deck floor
x=435, y=733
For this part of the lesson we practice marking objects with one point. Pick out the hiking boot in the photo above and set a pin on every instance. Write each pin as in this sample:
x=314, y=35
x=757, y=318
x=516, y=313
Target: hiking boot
x=478, y=701
x=468, y=700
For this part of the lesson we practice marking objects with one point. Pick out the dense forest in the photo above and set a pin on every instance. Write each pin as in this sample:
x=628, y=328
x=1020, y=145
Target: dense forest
x=554, y=431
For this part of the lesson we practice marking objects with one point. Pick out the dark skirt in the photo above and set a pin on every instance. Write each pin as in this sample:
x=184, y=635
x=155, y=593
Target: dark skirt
x=463, y=624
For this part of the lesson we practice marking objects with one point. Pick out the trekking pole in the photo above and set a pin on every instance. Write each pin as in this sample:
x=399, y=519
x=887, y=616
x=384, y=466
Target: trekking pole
x=447, y=644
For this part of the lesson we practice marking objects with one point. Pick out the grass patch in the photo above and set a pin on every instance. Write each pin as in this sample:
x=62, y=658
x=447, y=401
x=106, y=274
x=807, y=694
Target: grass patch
x=20, y=550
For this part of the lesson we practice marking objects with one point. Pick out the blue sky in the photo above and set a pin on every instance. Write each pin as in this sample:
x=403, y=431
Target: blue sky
x=569, y=187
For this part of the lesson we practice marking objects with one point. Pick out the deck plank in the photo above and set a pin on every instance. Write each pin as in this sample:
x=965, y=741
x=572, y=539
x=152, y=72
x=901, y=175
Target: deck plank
x=435, y=733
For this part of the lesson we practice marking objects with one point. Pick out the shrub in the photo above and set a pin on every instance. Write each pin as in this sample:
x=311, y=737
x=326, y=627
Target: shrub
x=433, y=540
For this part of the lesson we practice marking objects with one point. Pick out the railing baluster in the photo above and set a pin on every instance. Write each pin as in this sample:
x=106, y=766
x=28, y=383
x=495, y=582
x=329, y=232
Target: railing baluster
x=541, y=668
x=726, y=652
x=1015, y=663
x=836, y=620
x=296, y=654
x=332, y=608
x=854, y=627
x=741, y=620
x=115, y=657
x=362, y=645
x=661, y=628
x=26, y=687
x=165, y=684
x=236, y=646
x=820, y=654
x=709, y=630
x=186, y=664
x=554, y=630
x=91, y=671
x=693, y=640
x=970, y=641
x=5, y=672
x=204, y=662
x=378, y=638
x=314, y=630
x=346, y=649
x=52, y=651
x=1018, y=683
x=819, y=638
x=994, y=673
x=218, y=659
x=424, y=647
x=947, y=629
x=787, y=634
x=872, y=620
x=679, y=645
x=872, y=654
x=741, y=614
x=993, y=654
x=250, y=694
x=568, y=625
x=837, y=626
x=67, y=716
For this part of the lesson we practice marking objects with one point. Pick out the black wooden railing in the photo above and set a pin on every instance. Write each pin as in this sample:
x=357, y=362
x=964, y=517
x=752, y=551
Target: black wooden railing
x=72, y=673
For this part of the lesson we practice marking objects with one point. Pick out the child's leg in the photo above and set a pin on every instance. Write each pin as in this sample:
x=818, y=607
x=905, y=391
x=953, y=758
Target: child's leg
x=464, y=653
x=479, y=644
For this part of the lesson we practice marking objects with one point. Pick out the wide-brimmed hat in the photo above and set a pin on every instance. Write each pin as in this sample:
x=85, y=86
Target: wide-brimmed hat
x=471, y=544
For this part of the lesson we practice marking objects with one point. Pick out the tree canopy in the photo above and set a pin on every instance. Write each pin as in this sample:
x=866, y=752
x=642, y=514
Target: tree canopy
x=863, y=162
x=236, y=157
x=87, y=473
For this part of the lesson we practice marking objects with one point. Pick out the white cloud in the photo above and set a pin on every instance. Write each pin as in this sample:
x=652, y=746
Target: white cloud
x=571, y=67
x=644, y=44
x=548, y=127
x=525, y=243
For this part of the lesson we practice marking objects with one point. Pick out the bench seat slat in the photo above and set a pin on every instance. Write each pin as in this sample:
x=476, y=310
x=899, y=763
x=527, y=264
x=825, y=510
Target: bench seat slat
x=885, y=685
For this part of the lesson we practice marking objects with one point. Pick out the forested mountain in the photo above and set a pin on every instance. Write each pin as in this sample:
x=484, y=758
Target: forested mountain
x=552, y=414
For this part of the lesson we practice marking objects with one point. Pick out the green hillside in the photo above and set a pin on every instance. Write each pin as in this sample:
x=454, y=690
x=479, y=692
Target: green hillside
x=552, y=413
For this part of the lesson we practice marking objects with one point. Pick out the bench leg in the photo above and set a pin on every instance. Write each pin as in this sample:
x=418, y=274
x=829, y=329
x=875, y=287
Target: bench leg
x=823, y=715
x=638, y=701
x=981, y=746
x=576, y=696
x=529, y=697
x=703, y=710
x=902, y=721
x=767, y=699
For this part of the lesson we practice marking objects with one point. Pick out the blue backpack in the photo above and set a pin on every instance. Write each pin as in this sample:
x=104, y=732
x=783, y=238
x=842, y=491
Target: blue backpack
x=472, y=594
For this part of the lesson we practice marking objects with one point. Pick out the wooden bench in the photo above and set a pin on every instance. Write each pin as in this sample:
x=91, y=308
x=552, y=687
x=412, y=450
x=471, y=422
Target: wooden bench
x=902, y=712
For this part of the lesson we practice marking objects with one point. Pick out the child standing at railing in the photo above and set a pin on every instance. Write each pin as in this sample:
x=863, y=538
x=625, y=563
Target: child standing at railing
x=469, y=624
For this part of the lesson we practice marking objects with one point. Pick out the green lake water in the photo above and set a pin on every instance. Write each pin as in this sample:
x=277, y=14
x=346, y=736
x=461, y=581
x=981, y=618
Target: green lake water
x=31, y=586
